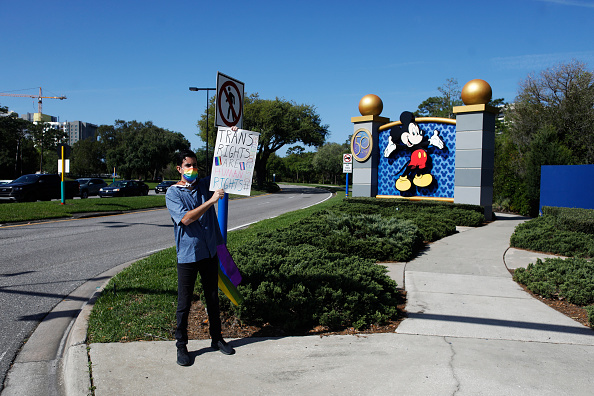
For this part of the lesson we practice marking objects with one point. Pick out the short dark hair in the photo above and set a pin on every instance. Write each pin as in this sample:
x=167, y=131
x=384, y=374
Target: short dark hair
x=183, y=154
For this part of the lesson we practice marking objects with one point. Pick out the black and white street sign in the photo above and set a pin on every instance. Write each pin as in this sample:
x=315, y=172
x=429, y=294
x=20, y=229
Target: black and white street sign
x=347, y=168
x=229, y=103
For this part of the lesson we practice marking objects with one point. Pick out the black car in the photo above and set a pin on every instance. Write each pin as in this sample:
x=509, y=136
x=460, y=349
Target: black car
x=90, y=186
x=163, y=186
x=124, y=188
x=34, y=187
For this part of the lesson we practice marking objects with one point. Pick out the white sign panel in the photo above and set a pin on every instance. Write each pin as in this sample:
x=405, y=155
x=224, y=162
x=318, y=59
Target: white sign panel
x=234, y=160
x=66, y=165
x=347, y=168
x=347, y=158
x=229, y=102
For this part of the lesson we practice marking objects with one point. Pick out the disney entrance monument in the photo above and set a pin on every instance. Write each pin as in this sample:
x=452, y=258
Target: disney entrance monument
x=420, y=158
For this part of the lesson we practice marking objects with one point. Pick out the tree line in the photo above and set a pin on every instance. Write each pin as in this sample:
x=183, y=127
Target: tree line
x=133, y=149
x=549, y=123
x=26, y=147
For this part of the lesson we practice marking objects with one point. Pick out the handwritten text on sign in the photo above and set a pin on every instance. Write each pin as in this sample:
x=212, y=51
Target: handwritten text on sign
x=234, y=159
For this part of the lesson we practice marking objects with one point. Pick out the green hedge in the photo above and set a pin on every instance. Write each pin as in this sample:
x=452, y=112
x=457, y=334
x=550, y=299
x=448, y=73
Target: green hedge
x=572, y=219
x=298, y=287
x=571, y=279
x=322, y=271
x=434, y=219
x=367, y=236
x=544, y=234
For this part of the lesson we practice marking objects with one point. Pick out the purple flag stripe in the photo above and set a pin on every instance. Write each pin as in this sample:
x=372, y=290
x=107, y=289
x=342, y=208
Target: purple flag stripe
x=228, y=265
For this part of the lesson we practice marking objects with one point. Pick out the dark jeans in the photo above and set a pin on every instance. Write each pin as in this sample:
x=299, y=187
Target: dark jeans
x=186, y=279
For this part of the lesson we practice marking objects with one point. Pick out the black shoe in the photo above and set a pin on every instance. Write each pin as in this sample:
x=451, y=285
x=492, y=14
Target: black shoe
x=222, y=346
x=183, y=357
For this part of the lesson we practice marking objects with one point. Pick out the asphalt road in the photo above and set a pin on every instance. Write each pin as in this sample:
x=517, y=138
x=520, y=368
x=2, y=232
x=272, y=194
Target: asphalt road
x=42, y=263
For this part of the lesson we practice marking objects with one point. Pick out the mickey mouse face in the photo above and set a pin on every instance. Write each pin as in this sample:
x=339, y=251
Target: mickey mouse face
x=413, y=136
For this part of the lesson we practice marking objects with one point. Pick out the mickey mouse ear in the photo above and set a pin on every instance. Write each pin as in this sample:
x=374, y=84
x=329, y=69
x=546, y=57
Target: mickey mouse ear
x=407, y=117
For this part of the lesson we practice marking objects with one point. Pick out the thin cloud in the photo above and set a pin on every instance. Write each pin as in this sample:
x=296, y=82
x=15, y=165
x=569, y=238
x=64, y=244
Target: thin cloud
x=540, y=61
x=573, y=3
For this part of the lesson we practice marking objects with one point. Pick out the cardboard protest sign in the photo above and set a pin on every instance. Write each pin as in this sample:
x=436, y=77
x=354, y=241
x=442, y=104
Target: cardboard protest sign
x=234, y=160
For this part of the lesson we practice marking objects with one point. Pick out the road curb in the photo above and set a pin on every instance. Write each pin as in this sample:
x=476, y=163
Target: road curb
x=54, y=359
x=76, y=363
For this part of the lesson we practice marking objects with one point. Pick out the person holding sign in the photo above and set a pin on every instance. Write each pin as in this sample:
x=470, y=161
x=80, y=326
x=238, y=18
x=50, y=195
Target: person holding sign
x=197, y=235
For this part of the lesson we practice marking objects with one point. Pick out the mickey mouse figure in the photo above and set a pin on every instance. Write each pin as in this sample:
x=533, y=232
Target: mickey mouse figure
x=417, y=170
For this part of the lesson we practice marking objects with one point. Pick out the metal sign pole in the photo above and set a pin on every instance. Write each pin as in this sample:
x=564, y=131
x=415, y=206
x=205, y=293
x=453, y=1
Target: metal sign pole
x=223, y=215
x=233, y=85
x=62, y=183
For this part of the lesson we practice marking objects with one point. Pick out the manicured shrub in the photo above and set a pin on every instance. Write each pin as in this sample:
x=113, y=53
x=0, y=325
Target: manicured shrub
x=297, y=287
x=544, y=234
x=572, y=219
x=434, y=219
x=366, y=236
x=571, y=279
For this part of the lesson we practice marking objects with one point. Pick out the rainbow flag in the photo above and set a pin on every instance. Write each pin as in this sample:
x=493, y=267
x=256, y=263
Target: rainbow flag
x=218, y=161
x=229, y=276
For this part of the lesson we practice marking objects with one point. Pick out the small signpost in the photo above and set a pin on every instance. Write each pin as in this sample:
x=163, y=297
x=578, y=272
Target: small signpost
x=347, y=167
x=63, y=167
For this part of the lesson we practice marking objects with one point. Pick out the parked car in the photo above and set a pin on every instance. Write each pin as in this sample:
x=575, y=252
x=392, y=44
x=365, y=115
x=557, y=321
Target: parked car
x=90, y=186
x=124, y=188
x=5, y=181
x=33, y=187
x=163, y=186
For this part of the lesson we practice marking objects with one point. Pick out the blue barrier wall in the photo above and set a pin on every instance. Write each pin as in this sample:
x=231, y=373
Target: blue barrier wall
x=567, y=186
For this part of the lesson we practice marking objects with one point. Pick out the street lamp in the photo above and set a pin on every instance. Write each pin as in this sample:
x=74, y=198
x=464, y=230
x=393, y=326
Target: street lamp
x=207, y=123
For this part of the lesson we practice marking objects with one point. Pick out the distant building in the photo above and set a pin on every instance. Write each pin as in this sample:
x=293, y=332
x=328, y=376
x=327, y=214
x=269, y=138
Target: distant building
x=75, y=130
x=79, y=130
x=39, y=117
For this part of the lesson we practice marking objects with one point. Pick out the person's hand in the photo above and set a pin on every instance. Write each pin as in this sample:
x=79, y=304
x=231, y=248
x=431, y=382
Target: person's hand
x=218, y=194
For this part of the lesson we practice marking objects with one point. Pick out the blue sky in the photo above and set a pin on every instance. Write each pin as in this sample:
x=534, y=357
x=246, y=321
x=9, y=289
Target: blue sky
x=134, y=60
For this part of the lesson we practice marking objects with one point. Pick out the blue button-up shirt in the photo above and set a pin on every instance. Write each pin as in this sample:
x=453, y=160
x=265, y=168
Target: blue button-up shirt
x=198, y=240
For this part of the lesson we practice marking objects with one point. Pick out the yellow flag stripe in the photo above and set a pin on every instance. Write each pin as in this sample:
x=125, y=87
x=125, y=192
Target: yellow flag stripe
x=229, y=289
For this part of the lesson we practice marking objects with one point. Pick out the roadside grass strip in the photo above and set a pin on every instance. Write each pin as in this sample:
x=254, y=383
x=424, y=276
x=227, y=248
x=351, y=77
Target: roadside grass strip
x=29, y=211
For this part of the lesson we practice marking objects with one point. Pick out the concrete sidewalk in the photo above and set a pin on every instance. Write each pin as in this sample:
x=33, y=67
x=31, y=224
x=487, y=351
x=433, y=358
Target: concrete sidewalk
x=471, y=330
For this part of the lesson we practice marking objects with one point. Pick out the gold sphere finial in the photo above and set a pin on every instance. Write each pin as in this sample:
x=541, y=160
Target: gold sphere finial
x=476, y=91
x=371, y=105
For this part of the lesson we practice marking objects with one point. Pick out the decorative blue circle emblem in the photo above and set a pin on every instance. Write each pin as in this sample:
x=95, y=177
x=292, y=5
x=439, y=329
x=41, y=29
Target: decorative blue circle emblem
x=361, y=144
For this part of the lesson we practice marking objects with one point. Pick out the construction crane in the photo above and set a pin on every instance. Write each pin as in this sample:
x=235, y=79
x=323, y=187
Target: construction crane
x=39, y=98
